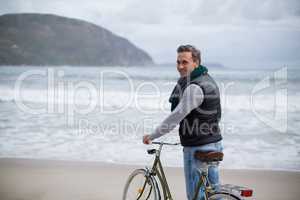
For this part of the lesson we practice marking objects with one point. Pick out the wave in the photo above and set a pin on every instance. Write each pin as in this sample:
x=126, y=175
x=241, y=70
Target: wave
x=119, y=98
x=124, y=151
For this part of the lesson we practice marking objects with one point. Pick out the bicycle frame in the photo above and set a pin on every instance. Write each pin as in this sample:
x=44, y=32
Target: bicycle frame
x=157, y=169
x=234, y=191
x=203, y=181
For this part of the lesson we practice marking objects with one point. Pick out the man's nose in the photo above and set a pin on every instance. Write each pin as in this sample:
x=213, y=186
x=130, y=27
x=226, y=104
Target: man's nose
x=180, y=66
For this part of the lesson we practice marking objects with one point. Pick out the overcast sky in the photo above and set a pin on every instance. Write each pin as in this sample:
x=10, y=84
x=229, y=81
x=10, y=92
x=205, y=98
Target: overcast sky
x=232, y=32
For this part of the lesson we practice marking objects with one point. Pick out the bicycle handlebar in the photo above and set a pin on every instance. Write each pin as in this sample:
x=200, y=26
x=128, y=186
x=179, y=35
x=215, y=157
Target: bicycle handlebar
x=165, y=143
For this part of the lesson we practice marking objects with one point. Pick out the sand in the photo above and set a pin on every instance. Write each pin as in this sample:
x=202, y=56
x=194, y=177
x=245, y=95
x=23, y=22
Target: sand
x=30, y=179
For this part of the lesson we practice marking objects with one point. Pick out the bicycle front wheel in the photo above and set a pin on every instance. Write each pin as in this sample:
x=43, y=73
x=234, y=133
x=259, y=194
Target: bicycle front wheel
x=223, y=196
x=139, y=186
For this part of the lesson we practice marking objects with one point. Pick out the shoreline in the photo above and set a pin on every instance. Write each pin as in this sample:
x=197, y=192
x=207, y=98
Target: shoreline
x=35, y=179
x=128, y=164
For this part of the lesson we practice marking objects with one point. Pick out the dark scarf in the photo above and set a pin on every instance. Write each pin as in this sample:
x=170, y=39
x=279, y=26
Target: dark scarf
x=182, y=84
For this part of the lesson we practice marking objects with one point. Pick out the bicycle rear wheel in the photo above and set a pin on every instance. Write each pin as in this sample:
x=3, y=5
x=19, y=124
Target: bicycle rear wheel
x=223, y=196
x=140, y=187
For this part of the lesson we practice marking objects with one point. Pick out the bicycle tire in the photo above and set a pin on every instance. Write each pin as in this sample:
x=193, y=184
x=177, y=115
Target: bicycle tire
x=223, y=196
x=139, y=186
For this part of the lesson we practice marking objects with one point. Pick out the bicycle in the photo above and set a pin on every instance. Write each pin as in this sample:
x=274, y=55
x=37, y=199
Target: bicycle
x=148, y=188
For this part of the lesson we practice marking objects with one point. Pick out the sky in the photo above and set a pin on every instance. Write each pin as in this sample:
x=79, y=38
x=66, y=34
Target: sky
x=235, y=33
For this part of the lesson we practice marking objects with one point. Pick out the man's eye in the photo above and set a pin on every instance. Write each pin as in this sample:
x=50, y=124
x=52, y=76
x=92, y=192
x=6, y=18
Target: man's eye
x=182, y=62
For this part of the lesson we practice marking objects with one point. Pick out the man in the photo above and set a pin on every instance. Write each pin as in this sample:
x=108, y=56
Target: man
x=195, y=106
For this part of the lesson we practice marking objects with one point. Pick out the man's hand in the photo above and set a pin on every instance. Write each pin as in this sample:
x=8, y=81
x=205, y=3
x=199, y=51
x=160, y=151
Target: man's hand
x=146, y=139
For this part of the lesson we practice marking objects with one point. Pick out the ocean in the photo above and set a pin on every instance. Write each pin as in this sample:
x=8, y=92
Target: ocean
x=101, y=114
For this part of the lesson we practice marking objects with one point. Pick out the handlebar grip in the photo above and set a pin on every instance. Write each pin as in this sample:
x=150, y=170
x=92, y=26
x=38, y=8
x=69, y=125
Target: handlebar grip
x=165, y=143
x=151, y=151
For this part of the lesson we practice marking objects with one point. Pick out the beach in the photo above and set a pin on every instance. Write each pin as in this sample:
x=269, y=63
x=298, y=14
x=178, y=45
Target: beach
x=83, y=85
x=35, y=179
x=76, y=153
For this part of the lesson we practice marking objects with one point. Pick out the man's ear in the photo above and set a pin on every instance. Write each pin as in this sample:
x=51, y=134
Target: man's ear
x=195, y=64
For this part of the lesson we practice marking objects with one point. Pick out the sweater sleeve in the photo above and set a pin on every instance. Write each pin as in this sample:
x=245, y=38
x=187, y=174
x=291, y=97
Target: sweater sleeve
x=192, y=98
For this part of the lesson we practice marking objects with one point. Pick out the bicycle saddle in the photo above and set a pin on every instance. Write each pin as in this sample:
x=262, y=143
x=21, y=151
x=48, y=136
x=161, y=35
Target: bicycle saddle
x=211, y=156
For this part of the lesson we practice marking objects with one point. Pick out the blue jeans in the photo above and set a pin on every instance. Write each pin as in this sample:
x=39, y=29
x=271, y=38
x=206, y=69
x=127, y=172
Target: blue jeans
x=191, y=166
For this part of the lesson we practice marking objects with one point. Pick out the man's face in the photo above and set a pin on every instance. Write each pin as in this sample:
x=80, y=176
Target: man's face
x=185, y=63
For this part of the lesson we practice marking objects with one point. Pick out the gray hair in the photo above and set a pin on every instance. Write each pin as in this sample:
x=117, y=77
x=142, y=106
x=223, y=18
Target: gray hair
x=196, y=54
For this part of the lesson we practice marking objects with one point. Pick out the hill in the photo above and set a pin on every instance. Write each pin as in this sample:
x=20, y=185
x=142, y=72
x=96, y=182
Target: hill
x=44, y=39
